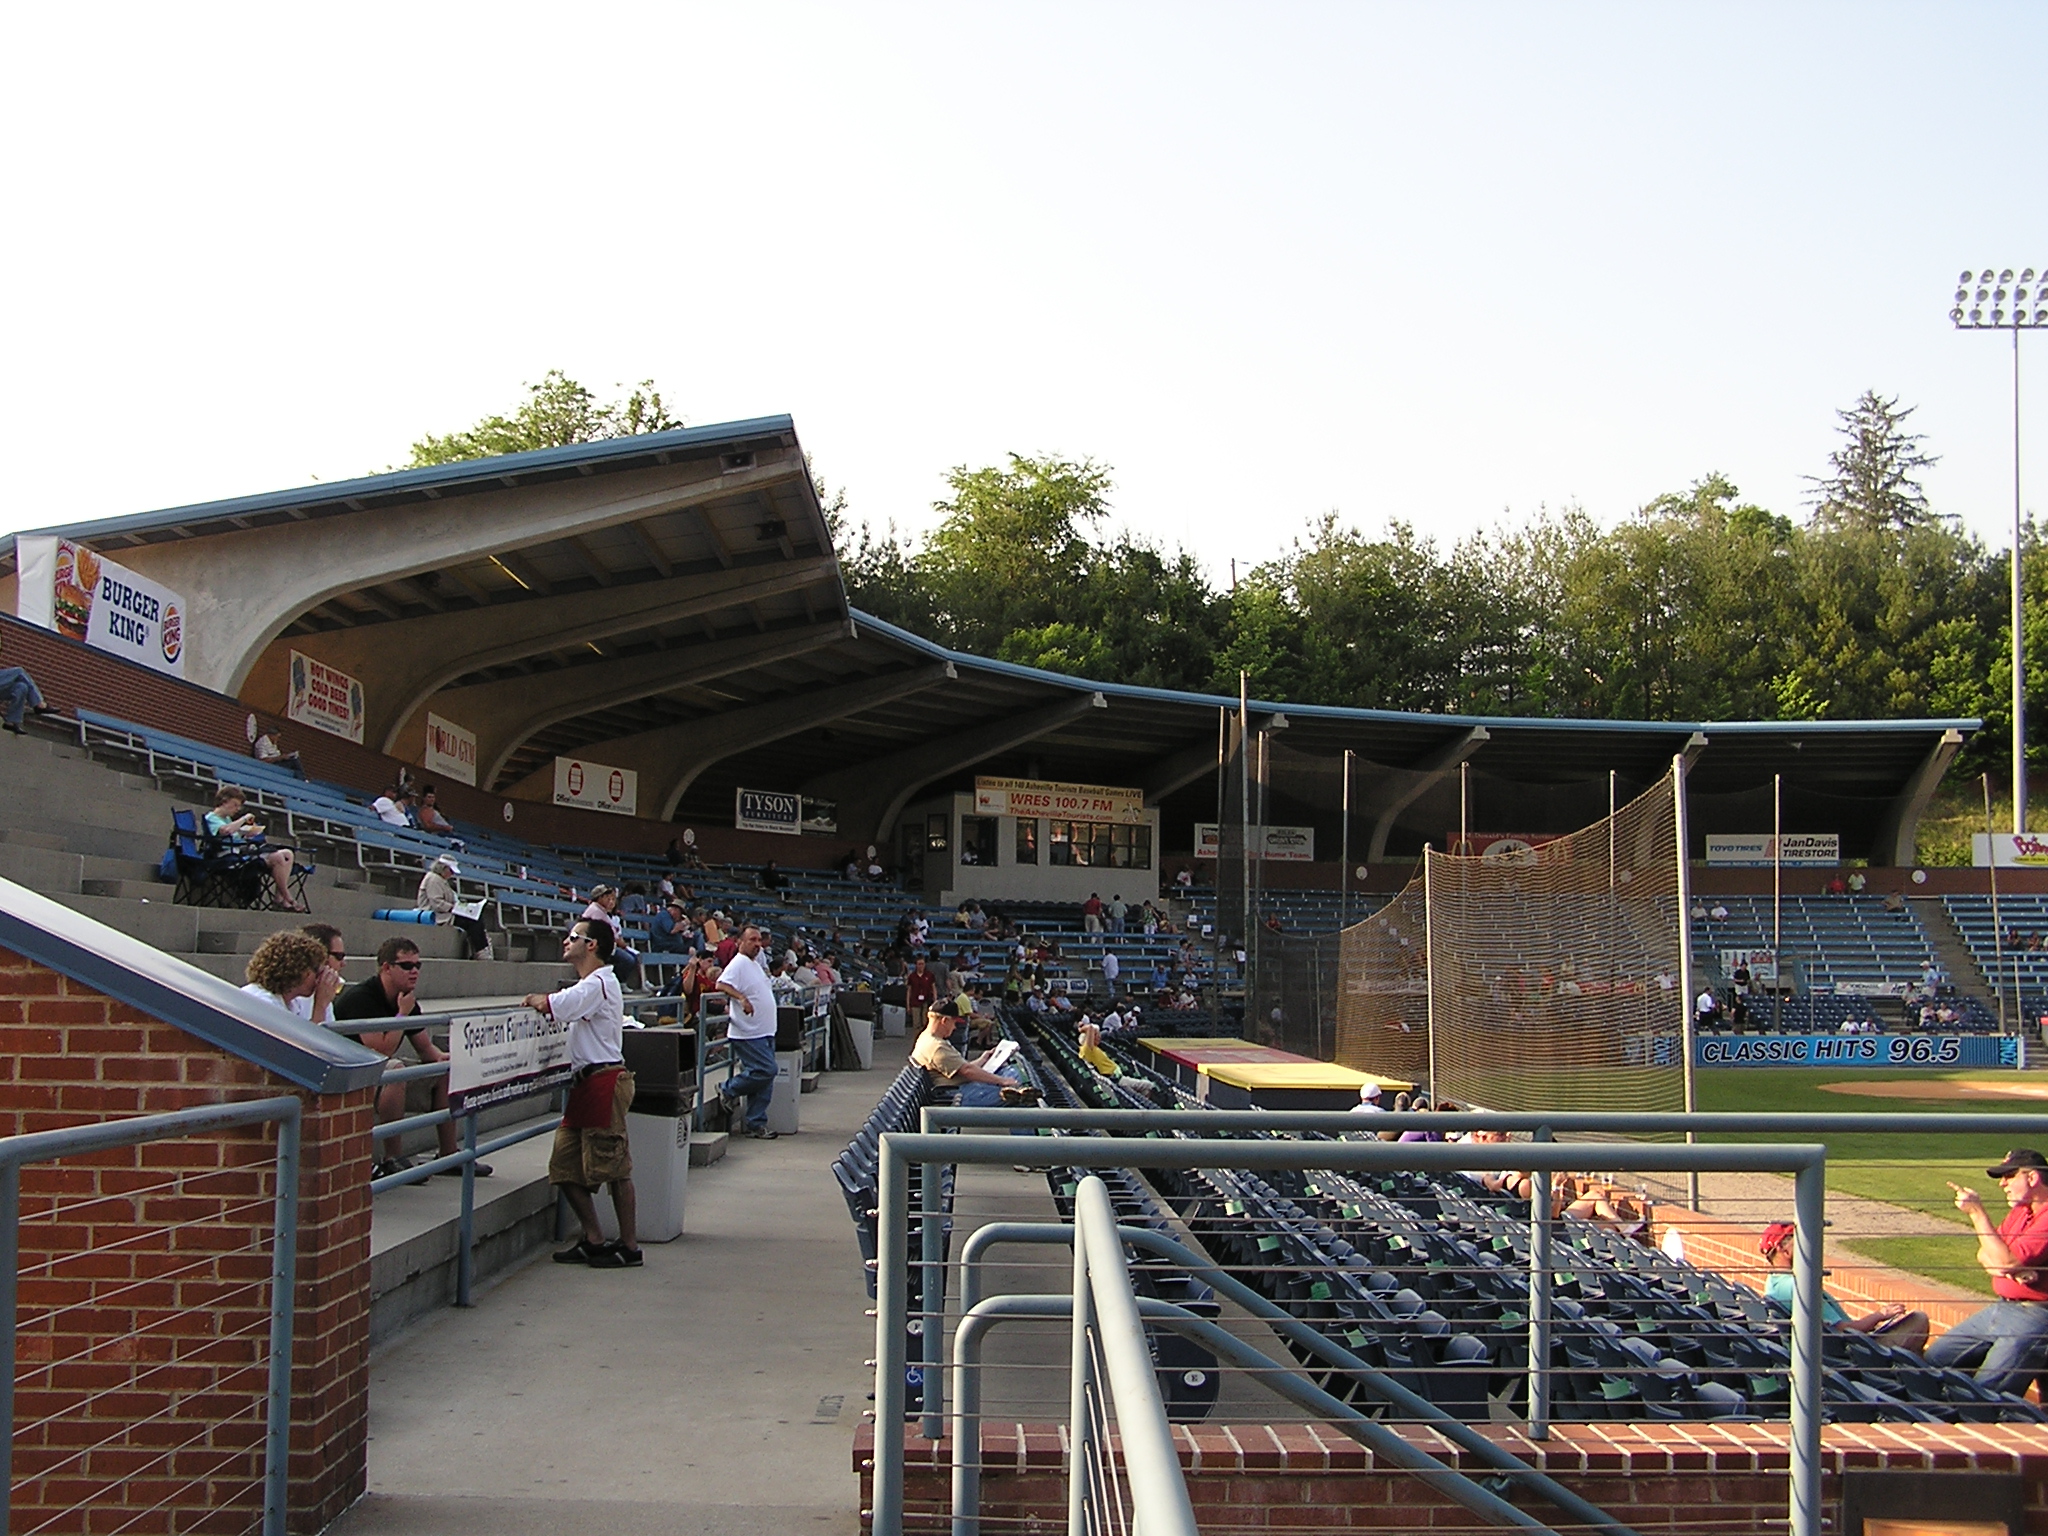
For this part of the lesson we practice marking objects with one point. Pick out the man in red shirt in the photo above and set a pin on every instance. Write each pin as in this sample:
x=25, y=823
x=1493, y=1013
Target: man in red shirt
x=2007, y=1341
x=920, y=988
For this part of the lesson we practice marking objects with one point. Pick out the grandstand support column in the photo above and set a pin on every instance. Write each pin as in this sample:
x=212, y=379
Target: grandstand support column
x=1429, y=971
x=1080, y=1367
x=1429, y=770
x=1538, y=1386
x=1683, y=833
x=1898, y=831
x=871, y=795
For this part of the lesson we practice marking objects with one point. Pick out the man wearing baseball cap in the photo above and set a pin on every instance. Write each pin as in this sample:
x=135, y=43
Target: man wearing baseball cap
x=2007, y=1341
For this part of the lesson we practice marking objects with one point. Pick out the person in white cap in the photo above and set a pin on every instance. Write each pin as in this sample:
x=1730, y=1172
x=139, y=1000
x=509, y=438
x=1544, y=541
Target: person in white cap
x=1368, y=1100
x=437, y=895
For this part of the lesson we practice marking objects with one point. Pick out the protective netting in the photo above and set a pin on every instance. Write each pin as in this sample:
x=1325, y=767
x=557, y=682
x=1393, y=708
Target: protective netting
x=1548, y=979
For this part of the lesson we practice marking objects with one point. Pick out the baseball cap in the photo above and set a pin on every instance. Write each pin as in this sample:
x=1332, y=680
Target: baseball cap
x=1774, y=1234
x=1369, y=1090
x=2018, y=1158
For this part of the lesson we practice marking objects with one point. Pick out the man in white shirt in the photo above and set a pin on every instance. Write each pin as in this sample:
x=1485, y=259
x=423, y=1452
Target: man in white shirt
x=392, y=809
x=750, y=1027
x=1368, y=1100
x=590, y=1144
x=1112, y=968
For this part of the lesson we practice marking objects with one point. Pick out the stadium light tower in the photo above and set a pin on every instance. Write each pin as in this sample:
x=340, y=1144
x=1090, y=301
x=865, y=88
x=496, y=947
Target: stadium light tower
x=1999, y=301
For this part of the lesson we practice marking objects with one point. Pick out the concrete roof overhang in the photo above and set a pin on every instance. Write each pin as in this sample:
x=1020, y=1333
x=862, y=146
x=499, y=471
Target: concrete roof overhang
x=672, y=603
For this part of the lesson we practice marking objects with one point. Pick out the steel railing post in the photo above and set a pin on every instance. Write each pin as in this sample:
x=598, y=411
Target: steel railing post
x=10, y=1278
x=892, y=1305
x=284, y=1269
x=932, y=1304
x=465, y=1253
x=1809, y=1210
x=1539, y=1306
x=1081, y=1367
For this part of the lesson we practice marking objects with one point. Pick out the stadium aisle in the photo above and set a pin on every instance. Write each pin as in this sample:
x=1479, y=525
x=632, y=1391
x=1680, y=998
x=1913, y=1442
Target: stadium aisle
x=713, y=1393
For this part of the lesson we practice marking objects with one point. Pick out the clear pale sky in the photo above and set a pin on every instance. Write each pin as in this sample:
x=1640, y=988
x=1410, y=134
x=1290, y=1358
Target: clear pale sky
x=1443, y=263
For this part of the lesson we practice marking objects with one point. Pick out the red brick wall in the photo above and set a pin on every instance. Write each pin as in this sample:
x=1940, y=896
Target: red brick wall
x=170, y=1243
x=73, y=676
x=1657, y=1478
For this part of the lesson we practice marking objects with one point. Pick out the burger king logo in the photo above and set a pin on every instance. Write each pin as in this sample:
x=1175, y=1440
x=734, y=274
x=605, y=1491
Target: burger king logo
x=173, y=633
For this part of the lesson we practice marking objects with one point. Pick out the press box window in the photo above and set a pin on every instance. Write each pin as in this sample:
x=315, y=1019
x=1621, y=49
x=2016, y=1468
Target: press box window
x=978, y=840
x=1027, y=840
x=937, y=829
x=1100, y=845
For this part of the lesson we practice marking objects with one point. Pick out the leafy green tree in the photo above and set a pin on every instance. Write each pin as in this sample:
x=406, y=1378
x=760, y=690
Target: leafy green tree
x=557, y=411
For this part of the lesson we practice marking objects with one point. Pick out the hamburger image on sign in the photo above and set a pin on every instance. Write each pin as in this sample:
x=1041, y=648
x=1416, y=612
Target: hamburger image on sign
x=78, y=573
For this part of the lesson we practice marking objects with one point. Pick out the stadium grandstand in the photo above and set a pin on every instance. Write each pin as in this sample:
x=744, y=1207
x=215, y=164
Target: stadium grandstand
x=629, y=669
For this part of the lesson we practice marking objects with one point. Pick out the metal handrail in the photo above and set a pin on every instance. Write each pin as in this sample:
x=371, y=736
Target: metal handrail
x=898, y=1150
x=1105, y=1305
x=77, y=1140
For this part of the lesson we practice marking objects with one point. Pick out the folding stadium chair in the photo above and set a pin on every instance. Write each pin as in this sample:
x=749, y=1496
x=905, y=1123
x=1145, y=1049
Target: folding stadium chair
x=212, y=877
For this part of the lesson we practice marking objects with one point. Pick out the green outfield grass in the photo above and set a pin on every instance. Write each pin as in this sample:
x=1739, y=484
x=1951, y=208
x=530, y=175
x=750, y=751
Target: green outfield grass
x=1905, y=1170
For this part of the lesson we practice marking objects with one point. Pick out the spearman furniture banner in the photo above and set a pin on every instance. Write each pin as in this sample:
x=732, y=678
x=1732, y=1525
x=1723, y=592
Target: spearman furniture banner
x=596, y=786
x=82, y=594
x=493, y=1057
x=325, y=699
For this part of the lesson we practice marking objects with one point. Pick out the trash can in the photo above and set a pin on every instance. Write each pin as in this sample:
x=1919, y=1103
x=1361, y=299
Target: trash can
x=664, y=1066
x=894, y=1021
x=789, y=1085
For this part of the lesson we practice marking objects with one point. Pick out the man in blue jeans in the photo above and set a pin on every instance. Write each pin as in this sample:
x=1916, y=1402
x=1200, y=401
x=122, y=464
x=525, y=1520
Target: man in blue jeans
x=18, y=695
x=2007, y=1341
x=750, y=1028
x=979, y=1088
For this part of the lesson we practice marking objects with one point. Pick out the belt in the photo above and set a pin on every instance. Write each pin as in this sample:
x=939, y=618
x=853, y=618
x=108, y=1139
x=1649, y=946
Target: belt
x=595, y=1067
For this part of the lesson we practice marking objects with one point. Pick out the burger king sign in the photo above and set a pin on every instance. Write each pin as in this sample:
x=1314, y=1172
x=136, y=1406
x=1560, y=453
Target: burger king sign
x=80, y=593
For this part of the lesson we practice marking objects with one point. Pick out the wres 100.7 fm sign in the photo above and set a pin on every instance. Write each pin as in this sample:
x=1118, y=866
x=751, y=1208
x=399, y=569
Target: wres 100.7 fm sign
x=1077, y=802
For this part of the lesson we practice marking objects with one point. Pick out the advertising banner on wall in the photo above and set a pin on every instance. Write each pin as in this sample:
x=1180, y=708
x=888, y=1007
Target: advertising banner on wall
x=451, y=751
x=596, y=786
x=325, y=699
x=1761, y=963
x=1278, y=845
x=1856, y=1051
x=1753, y=850
x=87, y=597
x=1501, y=847
x=2013, y=850
x=493, y=1057
x=767, y=810
x=1059, y=802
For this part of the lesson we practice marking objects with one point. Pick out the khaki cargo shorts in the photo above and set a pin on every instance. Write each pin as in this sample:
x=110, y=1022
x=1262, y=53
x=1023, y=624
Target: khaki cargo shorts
x=591, y=1158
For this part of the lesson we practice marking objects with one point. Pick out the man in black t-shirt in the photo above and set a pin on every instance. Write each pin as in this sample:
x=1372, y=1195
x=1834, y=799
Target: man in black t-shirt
x=390, y=994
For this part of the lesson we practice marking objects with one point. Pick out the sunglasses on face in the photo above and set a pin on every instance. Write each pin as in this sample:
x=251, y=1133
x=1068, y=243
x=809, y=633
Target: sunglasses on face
x=407, y=965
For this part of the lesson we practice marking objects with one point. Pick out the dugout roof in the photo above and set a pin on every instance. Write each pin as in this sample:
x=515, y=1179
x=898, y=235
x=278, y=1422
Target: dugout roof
x=672, y=603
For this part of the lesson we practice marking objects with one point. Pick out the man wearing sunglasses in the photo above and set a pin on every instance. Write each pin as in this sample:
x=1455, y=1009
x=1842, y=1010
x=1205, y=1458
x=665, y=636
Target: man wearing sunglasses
x=390, y=994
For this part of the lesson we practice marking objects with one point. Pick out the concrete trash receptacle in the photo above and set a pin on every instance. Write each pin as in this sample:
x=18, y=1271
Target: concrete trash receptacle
x=894, y=1021
x=862, y=1033
x=789, y=1072
x=661, y=1176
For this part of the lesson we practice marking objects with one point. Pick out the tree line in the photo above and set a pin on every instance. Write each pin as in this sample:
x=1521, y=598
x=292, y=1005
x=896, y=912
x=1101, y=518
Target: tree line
x=1699, y=605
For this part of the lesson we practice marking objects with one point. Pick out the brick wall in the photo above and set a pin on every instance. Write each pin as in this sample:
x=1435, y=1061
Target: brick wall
x=1664, y=1478
x=144, y=1302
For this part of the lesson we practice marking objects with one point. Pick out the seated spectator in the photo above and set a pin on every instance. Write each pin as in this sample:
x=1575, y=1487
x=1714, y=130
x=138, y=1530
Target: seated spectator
x=634, y=902
x=947, y=1068
x=1890, y=1323
x=1895, y=903
x=1717, y=913
x=1856, y=883
x=437, y=894
x=427, y=815
x=393, y=994
x=673, y=854
x=2006, y=1342
x=231, y=827
x=295, y=971
x=394, y=808
x=1837, y=887
x=671, y=930
x=1160, y=979
x=1699, y=911
x=851, y=868
x=1184, y=880
x=604, y=904
x=1091, y=1051
x=773, y=879
x=1368, y=1100
x=265, y=749
x=20, y=697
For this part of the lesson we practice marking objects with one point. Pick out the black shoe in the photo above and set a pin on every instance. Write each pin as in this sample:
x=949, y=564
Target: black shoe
x=606, y=1256
x=483, y=1171
x=579, y=1252
x=17, y=730
x=389, y=1166
x=629, y=1258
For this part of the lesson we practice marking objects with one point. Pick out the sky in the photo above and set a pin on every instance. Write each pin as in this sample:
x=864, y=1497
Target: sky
x=1447, y=264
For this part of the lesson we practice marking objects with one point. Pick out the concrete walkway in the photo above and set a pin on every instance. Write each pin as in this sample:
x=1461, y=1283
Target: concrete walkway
x=714, y=1392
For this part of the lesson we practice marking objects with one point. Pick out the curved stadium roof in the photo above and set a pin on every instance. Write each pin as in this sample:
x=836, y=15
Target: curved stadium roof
x=673, y=603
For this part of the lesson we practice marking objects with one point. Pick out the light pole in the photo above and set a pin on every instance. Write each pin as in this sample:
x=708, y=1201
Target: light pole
x=2014, y=304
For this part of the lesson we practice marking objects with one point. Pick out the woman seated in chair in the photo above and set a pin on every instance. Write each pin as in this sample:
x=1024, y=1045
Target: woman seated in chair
x=230, y=827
